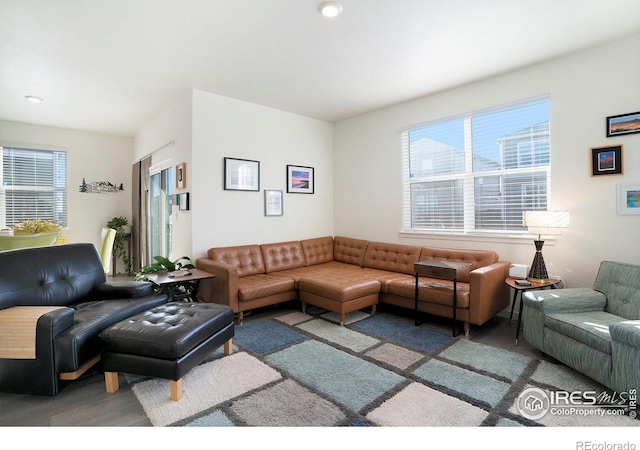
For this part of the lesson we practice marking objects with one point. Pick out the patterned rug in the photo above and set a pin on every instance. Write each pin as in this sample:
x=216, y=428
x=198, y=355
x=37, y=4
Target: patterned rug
x=305, y=370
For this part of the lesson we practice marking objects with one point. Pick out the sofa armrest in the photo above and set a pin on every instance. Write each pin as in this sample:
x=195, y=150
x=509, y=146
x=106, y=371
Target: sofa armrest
x=627, y=332
x=112, y=290
x=571, y=300
x=224, y=288
x=488, y=293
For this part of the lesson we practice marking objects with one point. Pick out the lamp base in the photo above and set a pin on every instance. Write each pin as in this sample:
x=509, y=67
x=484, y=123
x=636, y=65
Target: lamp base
x=538, y=272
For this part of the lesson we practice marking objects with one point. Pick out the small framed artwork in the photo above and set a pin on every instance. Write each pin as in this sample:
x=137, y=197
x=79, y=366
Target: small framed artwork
x=181, y=176
x=606, y=160
x=629, y=198
x=623, y=124
x=183, y=201
x=273, y=203
x=241, y=174
x=299, y=179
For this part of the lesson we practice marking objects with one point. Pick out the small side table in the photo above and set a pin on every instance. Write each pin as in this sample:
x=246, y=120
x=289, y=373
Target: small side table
x=189, y=279
x=518, y=289
x=445, y=270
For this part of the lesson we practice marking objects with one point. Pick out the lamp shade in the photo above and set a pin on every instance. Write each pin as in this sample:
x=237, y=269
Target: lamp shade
x=545, y=222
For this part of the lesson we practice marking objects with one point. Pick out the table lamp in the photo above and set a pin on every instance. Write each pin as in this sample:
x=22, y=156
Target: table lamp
x=543, y=222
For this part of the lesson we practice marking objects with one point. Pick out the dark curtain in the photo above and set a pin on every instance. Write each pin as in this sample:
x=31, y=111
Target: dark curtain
x=140, y=202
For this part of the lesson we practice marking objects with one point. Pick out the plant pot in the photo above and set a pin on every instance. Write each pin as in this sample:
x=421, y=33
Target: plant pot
x=28, y=240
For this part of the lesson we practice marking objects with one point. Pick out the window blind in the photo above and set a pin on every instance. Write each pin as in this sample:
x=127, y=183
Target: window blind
x=477, y=172
x=33, y=185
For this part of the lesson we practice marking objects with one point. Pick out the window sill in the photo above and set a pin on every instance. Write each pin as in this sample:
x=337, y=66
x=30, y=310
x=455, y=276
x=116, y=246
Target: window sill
x=512, y=239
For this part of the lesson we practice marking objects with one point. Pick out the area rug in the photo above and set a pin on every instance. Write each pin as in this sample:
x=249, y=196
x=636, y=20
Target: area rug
x=305, y=370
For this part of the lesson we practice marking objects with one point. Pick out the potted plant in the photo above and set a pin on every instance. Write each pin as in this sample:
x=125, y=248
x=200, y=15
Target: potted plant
x=31, y=233
x=163, y=264
x=119, y=224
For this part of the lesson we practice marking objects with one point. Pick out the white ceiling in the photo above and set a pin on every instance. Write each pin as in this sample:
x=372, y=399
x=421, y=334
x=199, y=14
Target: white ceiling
x=112, y=65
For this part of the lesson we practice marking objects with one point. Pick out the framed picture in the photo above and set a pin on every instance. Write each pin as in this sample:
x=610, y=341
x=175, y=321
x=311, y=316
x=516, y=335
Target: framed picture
x=183, y=201
x=606, y=160
x=623, y=124
x=299, y=179
x=273, y=203
x=629, y=198
x=241, y=175
x=181, y=176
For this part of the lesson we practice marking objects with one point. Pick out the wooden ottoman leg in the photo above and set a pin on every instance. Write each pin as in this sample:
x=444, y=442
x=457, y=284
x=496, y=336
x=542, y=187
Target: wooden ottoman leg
x=176, y=389
x=111, y=382
x=228, y=347
x=373, y=309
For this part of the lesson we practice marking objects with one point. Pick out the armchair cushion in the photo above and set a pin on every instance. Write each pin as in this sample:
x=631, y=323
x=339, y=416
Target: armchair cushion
x=590, y=327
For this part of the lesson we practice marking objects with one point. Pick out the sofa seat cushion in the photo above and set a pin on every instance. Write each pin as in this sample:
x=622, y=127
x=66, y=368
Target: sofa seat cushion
x=262, y=285
x=341, y=288
x=326, y=270
x=432, y=290
x=385, y=277
x=590, y=328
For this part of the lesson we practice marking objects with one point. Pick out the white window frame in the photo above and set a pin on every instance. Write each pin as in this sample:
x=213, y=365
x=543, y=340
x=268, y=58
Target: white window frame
x=468, y=179
x=58, y=185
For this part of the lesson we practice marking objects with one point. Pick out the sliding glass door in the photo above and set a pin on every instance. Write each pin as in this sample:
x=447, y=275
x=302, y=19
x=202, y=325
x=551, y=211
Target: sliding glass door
x=160, y=214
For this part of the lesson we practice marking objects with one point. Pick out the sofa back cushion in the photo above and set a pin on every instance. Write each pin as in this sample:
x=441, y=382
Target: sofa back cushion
x=349, y=250
x=391, y=257
x=475, y=258
x=58, y=275
x=247, y=258
x=318, y=250
x=620, y=283
x=283, y=256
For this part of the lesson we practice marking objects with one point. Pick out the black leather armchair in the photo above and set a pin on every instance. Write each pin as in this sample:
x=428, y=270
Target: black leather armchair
x=63, y=293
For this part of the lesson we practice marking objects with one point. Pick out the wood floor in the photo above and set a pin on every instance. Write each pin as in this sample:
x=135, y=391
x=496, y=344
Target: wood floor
x=85, y=403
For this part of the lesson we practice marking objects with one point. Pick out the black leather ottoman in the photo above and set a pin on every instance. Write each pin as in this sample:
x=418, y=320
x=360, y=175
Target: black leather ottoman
x=165, y=342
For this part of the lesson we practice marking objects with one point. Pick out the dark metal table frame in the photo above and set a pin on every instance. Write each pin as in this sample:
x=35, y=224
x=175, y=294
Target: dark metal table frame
x=518, y=289
x=445, y=270
x=169, y=281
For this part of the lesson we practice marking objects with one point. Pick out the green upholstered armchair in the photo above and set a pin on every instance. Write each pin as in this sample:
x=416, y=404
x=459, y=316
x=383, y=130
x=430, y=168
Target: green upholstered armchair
x=595, y=330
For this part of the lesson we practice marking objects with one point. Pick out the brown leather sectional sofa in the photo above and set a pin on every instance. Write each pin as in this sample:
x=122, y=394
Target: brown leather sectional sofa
x=344, y=274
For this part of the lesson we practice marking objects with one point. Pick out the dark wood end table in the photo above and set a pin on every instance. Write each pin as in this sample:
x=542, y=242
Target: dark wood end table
x=445, y=270
x=189, y=279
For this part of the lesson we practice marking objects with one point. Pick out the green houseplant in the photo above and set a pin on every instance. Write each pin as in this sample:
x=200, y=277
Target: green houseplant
x=118, y=224
x=31, y=233
x=163, y=264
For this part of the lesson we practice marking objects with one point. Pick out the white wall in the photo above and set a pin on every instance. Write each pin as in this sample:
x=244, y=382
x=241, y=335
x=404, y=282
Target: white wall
x=584, y=89
x=93, y=156
x=224, y=127
x=167, y=139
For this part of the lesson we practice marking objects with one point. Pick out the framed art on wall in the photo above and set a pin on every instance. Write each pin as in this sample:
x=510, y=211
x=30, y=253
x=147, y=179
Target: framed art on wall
x=606, y=160
x=300, y=179
x=273, y=203
x=241, y=174
x=623, y=124
x=629, y=198
x=181, y=174
x=183, y=201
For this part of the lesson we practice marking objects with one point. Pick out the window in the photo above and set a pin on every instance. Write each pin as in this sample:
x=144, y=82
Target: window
x=33, y=185
x=478, y=172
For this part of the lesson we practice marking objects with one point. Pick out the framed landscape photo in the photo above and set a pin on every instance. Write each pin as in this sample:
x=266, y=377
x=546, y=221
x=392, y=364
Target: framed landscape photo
x=629, y=198
x=299, y=179
x=623, y=124
x=241, y=174
x=273, y=203
x=606, y=160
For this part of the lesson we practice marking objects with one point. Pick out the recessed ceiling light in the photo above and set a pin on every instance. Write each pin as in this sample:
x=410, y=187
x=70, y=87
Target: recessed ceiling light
x=33, y=99
x=330, y=9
